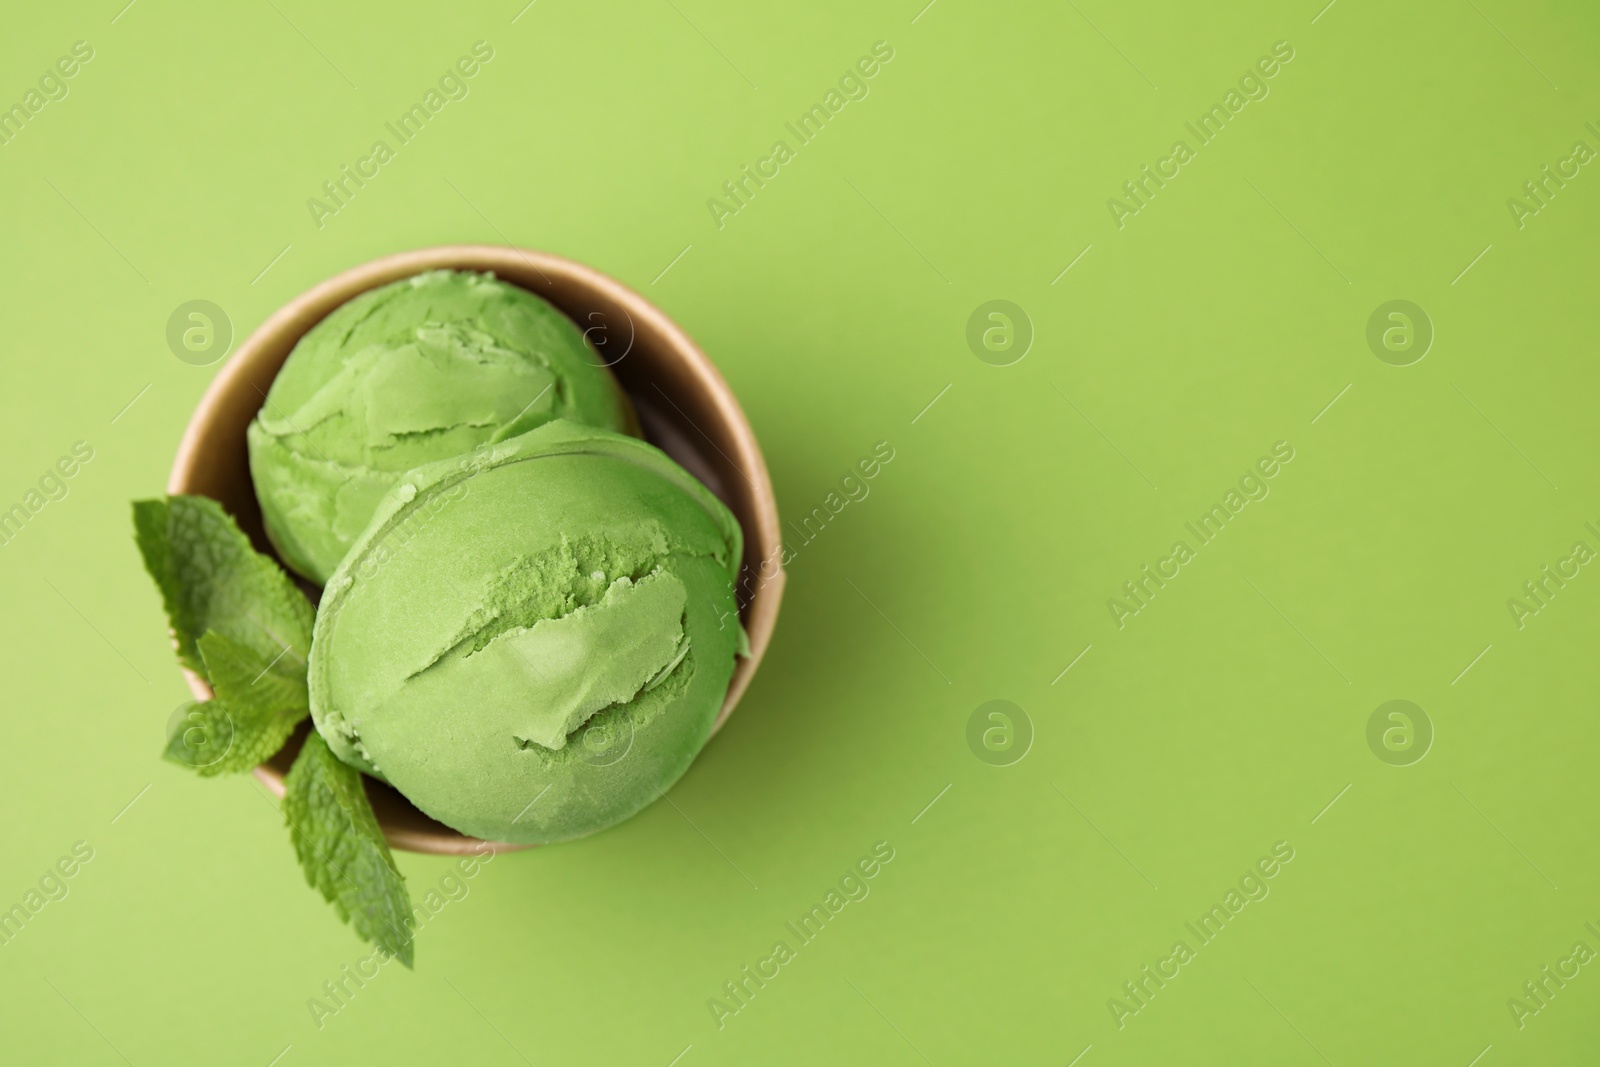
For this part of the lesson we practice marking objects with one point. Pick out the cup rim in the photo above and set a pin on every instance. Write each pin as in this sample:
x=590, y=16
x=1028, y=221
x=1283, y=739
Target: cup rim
x=264, y=351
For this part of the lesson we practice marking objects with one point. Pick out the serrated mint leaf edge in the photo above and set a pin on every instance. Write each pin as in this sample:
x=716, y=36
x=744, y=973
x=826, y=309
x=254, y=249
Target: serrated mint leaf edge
x=192, y=611
x=151, y=521
x=317, y=767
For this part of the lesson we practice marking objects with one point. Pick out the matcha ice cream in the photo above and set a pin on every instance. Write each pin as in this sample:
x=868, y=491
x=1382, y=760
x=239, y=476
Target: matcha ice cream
x=407, y=374
x=532, y=641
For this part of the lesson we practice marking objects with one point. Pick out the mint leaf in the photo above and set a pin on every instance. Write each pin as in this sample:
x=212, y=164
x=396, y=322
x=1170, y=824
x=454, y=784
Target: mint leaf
x=343, y=851
x=248, y=680
x=259, y=702
x=211, y=579
x=200, y=738
x=242, y=625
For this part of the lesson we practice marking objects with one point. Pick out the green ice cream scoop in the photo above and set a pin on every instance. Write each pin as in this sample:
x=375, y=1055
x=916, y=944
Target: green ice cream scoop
x=532, y=641
x=413, y=372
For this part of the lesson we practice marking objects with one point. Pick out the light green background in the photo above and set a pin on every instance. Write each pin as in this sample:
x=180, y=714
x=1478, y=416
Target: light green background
x=1177, y=750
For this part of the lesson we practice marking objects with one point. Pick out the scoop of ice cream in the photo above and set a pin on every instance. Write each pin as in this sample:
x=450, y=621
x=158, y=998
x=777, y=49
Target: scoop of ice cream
x=532, y=641
x=413, y=372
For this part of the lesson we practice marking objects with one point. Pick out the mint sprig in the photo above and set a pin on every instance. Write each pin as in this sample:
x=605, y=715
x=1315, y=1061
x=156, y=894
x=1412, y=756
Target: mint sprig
x=239, y=622
x=343, y=851
x=212, y=579
x=258, y=704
